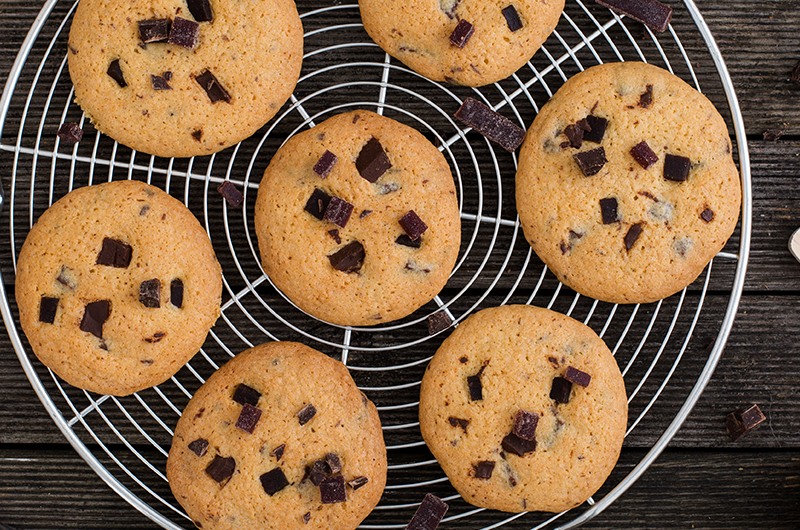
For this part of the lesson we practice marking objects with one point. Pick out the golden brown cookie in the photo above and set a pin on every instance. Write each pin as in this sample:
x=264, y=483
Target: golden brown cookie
x=117, y=286
x=626, y=187
x=357, y=220
x=525, y=410
x=279, y=438
x=184, y=78
x=464, y=42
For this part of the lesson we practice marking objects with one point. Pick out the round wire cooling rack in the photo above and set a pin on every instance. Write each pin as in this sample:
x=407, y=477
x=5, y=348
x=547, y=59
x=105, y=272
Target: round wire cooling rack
x=667, y=351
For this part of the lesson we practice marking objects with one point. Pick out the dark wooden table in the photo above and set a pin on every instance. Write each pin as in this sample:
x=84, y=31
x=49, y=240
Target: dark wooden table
x=703, y=479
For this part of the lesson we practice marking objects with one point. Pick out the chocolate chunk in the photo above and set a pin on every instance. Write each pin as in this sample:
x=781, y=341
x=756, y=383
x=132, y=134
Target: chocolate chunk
x=651, y=13
x=159, y=83
x=115, y=72
x=608, y=210
x=516, y=445
x=484, y=469
x=114, y=253
x=525, y=425
x=317, y=204
x=273, y=481
x=560, y=390
x=334, y=463
x=512, y=18
x=325, y=164
x=794, y=77
x=306, y=517
x=200, y=10
x=278, y=451
x=676, y=167
x=591, y=162
x=573, y=375
x=176, y=293
x=157, y=336
x=358, y=482
x=306, y=413
x=413, y=225
x=150, y=293
x=438, y=321
x=633, y=234
x=408, y=242
x=474, y=384
x=198, y=134
x=212, y=87
x=245, y=395
x=707, y=215
x=332, y=490
x=167, y=75
x=429, y=514
x=372, y=161
x=598, y=129
x=743, y=420
x=94, y=316
x=199, y=447
x=231, y=193
x=458, y=422
x=645, y=156
x=184, y=33
x=318, y=472
x=461, y=33
x=490, y=124
x=47, y=309
x=338, y=212
x=772, y=135
x=364, y=213
x=248, y=418
x=349, y=258
x=646, y=98
x=335, y=235
x=575, y=132
x=70, y=133
x=221, y=468
x=156, y=30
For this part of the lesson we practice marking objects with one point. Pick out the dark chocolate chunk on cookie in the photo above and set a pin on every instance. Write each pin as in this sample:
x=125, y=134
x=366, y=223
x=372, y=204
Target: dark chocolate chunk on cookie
x=115, y=253
x=372, y=161
x=213, y=87
x=94, y=316
x=150, y=293
x=349, y=258
x=273, y=481
x=156, y=30
x=47, y=309
x=184, y=33
x=221, y=468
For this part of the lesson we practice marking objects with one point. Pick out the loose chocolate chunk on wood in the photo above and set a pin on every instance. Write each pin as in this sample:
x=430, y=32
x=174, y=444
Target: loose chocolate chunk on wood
x=212, y=87
x=516, y=445
x=114, y=253
x=483, y=470
x=413, y=225
x=334, y=462
x=199, y=446
x=490, y=124
x=458, y=422
x=150, y=293
x=176, y=293
x=560, y=390
x=598, y=129
x=573, y=375
x=592, y=161
x=707, y=215
x=608, y=210
x=406, y=241
x=306, y=517
x=646, y=98
x=184, y=33
x=231, y=193
x=743, y=420
x=221, y=468
x=461, y=34
x=200, y=10
x=115, y=72
x=306, y=413
x=525, y=424
x=156, y=30
x=358, y=482
x=349, y=258
x=512, y=18
x=273, y=481
x=317, y=204
x=278, y=451
x=795, y=74
x=338, y=212
x=372, y=161
x=676, y=167
x=772, y=135
x=633, y=234
x=438, y=321
x=332, y=490
x=651, y=13
x=248, y=418
x=325, y=164
x=47, y=309
x=429, y=514
x=245, y=395
x=159, y=83
x=475, y=385
x=94, y=316
x=70, y=133
x=645, y=156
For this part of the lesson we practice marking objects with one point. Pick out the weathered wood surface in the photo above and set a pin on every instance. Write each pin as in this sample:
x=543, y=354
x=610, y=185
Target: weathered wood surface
x=702, y=481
